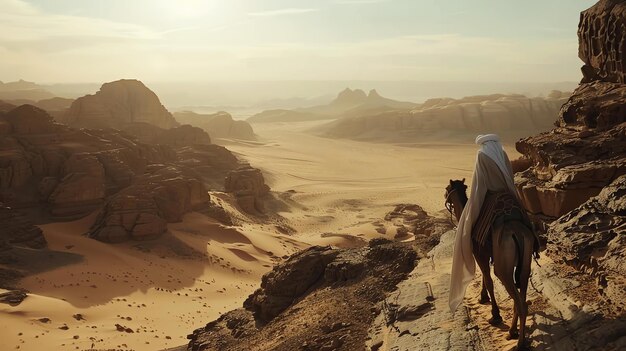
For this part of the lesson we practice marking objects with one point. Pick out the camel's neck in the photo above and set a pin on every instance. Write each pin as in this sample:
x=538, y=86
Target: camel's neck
x=459, y=200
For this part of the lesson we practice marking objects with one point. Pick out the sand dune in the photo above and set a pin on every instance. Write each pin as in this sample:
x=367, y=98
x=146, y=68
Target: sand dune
x=159, y=289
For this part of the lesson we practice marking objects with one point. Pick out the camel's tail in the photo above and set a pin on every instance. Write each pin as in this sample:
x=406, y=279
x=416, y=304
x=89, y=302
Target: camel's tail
x=518, y=238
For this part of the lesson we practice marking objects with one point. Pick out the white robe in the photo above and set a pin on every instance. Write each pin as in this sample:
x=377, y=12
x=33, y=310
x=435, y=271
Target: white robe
x=493, y=172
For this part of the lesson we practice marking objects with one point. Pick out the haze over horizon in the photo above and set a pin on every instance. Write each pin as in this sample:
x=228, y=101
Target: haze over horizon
x=337, y=40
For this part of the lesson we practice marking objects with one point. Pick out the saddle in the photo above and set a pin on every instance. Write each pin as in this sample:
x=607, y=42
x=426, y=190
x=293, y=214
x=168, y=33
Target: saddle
x=500, y=207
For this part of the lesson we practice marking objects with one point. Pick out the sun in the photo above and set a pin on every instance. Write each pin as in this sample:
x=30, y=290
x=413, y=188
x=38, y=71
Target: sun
x=188, y=8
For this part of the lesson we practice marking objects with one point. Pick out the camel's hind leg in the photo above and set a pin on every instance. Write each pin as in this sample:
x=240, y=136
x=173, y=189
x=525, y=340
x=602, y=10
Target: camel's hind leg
x=504, y=261
x=529, y=241
x=483, y=262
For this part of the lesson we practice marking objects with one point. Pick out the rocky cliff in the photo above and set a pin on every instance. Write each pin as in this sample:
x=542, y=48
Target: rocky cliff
x=587, y=150
x=576, y=180
x=117, y=104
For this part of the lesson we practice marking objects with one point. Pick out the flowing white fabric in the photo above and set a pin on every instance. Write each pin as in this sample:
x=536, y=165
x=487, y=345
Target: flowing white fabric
x=493, y=172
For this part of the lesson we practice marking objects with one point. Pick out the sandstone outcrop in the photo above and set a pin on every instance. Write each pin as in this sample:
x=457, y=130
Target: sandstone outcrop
x=249, y=187
x=218, y=125
x=511, y=116
x=319, y=299
x=117, y=104
x=142, y=210
x=68, y=171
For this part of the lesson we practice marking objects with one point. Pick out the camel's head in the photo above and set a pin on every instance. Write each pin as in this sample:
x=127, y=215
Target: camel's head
x=456, y=185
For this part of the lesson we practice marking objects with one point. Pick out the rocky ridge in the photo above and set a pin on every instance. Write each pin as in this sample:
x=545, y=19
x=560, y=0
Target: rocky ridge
x=511, y=116
x=218, y=125
x=338, y=289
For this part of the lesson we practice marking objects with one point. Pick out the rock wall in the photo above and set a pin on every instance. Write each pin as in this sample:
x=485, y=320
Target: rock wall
x=593, y=238
x=117, y=104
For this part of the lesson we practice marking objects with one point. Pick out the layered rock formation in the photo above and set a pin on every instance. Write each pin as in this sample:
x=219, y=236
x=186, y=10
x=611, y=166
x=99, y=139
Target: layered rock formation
x=319, y=299
x=509, y=115
x=116, y=105
x=218, y=125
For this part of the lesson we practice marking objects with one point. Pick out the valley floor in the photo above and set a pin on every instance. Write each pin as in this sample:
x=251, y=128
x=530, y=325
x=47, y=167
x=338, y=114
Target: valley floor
x=330, y=191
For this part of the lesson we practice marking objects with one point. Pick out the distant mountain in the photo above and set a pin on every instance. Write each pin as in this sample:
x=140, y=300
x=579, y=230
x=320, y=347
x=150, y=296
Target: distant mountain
x=281, y=115
x=22, y=89
x=511, y=115
x=347, y=101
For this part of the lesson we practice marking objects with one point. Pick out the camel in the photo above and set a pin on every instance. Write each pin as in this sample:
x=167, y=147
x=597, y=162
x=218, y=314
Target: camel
x=503, y=249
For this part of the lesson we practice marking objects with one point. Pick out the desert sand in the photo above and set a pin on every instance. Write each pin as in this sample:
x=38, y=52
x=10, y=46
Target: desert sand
x=150, y=295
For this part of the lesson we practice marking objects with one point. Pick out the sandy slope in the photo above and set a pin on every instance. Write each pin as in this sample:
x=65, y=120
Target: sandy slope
x=161, y=290
x=331, y=191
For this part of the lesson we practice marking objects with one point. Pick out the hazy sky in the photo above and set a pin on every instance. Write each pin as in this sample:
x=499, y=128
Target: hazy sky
x=209, y=40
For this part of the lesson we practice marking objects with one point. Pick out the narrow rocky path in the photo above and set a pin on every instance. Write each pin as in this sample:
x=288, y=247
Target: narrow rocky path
x=565, y=312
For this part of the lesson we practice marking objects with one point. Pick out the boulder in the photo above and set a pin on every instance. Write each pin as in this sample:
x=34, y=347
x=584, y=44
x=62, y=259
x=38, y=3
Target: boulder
x=249, y=187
